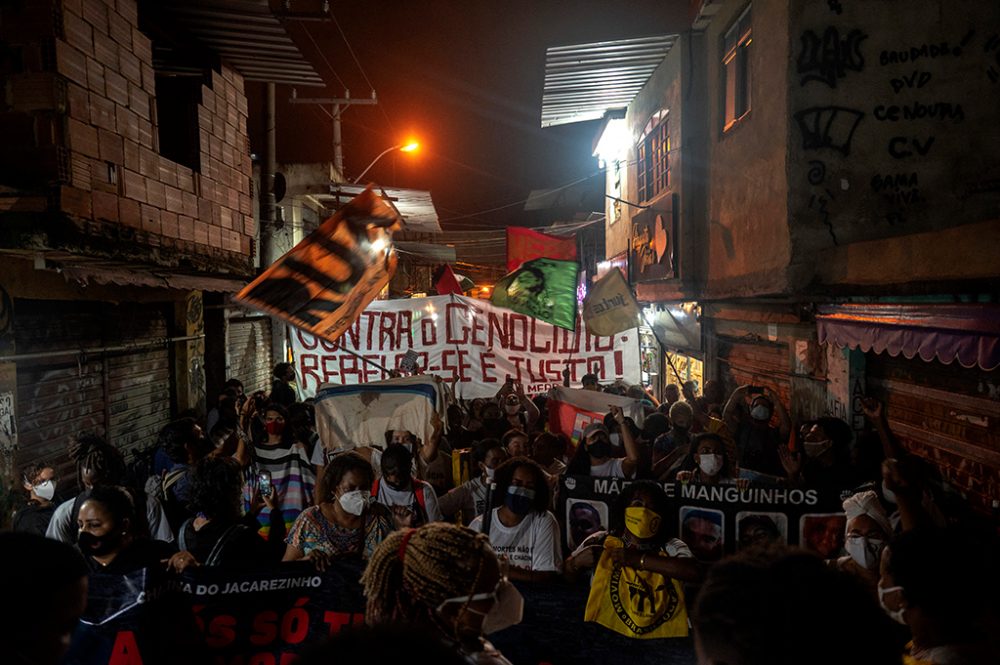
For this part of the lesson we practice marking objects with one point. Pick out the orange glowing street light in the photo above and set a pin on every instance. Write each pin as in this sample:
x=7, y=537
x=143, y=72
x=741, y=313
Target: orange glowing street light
x=402, y=147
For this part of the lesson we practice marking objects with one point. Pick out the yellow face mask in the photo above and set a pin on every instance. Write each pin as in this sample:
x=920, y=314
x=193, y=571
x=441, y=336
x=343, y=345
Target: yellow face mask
x=641, y=522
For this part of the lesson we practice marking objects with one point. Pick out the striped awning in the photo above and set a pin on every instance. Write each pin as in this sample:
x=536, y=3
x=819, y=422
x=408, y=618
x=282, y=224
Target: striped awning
x=583, y=81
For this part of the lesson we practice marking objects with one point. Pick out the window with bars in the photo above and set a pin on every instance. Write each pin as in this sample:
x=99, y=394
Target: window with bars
x=736, y=72
x=654, y=161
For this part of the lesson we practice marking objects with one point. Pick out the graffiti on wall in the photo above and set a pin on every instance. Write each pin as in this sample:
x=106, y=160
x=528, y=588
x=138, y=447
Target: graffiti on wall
x=880, y=119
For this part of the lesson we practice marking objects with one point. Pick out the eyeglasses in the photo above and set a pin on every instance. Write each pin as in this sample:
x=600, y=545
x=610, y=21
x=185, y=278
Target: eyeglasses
x=491, y=595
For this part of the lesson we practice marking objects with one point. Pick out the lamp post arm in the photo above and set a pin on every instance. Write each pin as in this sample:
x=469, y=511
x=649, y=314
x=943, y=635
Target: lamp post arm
x=374, y=161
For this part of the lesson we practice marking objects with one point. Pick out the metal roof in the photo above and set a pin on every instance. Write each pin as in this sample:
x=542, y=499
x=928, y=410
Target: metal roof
x=583, y=81
x=247, y=35
x=414, y=206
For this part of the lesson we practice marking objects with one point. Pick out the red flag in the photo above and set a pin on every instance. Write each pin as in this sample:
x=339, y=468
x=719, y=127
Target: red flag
x=524, y=245
x=447, y=282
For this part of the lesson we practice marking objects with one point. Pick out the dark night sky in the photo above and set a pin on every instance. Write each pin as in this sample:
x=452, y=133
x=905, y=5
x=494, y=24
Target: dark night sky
x=466, y=80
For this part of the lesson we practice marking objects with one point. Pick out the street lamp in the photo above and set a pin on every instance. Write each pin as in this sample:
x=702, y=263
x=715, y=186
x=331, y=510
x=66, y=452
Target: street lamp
x=402, y=147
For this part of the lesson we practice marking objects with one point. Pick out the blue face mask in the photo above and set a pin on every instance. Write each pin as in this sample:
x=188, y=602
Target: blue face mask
x=519, y=499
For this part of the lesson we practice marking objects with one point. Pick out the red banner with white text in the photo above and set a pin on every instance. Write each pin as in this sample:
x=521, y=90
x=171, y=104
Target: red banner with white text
x=465, y=341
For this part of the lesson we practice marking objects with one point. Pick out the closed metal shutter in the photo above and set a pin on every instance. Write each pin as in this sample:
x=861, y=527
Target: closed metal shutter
x=124, y=395
x=754, y=363
x=248, y=351
x=947, y=414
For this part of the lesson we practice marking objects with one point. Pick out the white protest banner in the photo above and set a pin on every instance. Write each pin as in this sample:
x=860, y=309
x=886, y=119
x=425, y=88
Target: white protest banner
x=466, y=341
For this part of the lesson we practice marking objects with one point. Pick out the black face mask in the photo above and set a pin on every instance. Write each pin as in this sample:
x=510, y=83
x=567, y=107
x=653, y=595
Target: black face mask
x=98, y=545
x=600, y=449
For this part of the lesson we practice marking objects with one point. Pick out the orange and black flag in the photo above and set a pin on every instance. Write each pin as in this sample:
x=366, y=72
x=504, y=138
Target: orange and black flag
x=324, y=283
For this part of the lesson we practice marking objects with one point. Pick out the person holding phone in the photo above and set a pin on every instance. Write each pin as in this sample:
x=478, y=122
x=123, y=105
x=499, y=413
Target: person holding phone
x=280, y=468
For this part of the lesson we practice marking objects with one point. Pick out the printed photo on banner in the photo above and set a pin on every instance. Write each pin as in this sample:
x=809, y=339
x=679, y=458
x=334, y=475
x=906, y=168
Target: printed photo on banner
x=703, y=530
x=755, y=529
x=823, y=533
x=584, y=518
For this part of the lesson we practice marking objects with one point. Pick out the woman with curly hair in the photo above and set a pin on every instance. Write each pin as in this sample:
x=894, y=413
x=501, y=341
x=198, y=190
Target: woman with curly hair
x=446, y=579
x=347, y=523
x=219, y=535
x=521, y=528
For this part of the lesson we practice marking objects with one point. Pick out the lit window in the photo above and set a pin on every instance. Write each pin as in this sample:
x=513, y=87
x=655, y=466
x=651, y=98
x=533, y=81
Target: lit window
x=654, y=158
x=736, y=69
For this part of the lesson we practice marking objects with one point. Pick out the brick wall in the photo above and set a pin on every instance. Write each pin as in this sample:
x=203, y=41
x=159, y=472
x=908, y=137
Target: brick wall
x=80, y=103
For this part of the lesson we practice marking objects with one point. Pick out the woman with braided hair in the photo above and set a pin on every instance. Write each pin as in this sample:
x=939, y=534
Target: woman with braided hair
x=447, y=579
x=98, y=463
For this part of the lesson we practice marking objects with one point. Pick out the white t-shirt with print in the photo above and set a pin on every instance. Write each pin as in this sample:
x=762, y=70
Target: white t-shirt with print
x=610, y=469
x=389, y=497
x=533, y=544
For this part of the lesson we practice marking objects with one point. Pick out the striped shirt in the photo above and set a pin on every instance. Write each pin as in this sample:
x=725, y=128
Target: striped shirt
x=292, y=477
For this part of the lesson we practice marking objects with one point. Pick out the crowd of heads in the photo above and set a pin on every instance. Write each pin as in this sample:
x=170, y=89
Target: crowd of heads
x=498, y=455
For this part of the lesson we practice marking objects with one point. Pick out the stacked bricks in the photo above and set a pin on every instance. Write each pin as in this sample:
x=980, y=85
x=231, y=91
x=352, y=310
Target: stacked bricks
x=93, y=80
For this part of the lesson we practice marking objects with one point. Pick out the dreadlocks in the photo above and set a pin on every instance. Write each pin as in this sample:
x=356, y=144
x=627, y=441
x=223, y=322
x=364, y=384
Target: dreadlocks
x=90, y=451
x=422, y=567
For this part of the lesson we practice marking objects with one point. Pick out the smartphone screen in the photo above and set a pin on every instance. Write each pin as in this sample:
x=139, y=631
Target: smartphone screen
x=264, y=483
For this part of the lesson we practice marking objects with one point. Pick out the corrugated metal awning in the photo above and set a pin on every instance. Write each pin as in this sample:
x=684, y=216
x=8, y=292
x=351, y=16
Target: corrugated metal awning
x=425, y=253
x=416, y=207
x=247, y=35
x=583, y=81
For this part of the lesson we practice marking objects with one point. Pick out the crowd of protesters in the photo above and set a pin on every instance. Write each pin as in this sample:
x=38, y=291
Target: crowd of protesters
x=253, y=485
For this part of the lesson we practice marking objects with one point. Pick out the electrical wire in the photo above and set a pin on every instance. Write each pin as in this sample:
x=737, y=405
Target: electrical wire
x=371, y=86
x=305, y=28
x=523, y=201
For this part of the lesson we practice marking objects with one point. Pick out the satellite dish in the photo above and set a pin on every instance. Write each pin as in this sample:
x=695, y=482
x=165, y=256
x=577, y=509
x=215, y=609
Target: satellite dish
x=279, y=188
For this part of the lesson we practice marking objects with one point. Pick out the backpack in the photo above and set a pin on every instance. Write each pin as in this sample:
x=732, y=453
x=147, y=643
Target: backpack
x=173, y=509
x=418, y=494
x=215, y=557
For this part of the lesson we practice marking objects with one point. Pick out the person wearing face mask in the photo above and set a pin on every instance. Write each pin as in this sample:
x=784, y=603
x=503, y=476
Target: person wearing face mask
x=710, y=458
x=638, y=553
x=521, y=528
x=933, y=582
x=347, y=523
x=40, y=483
x=594, y=455
x=411, y=501
x=867, y=533
x=447, y=581
x=281, y=461
x=107, y=536
x=519, y=412
x=748, y=415
x=822, y=459
x=468, y=501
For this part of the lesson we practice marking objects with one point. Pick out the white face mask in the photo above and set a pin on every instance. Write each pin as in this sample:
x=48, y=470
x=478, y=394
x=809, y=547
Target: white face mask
x=355, y=501
x=865, y=551
x=895, y=615
x=710, y=464
x=45, y=490
x=616, y=439
x=760, y=412
x=816, y=448
x=507, y=610
x=489, y=473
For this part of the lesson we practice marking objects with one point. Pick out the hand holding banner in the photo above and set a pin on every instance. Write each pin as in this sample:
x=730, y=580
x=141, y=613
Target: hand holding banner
x=322, y=284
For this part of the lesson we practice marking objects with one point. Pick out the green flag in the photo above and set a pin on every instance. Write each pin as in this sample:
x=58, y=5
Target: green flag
x=544, y=289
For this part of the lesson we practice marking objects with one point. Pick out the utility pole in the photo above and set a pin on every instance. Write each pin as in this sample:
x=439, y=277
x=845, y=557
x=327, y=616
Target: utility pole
x=337, y=105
